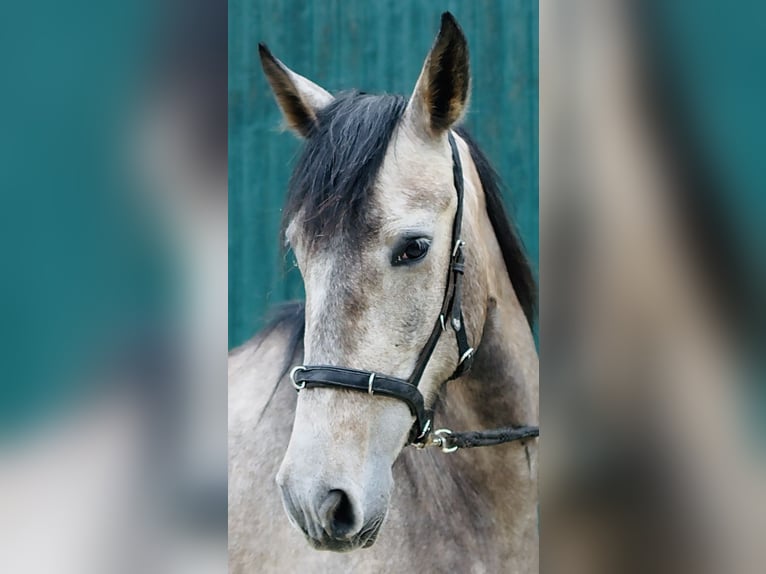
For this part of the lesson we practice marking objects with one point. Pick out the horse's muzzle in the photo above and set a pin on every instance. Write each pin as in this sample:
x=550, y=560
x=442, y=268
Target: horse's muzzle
x=332, y=521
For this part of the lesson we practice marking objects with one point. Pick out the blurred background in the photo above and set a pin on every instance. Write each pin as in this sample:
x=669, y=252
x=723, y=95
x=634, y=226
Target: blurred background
x=113, y=314
x=113, y=218
x=373, y=47
x=652, y=287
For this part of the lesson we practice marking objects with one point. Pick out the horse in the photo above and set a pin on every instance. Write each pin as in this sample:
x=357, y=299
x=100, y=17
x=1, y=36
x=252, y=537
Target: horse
x=370, y=216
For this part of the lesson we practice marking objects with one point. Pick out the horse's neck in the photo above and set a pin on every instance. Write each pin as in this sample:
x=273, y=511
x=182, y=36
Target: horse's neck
x=501, y=390
x=486, y=498
x=502, y=387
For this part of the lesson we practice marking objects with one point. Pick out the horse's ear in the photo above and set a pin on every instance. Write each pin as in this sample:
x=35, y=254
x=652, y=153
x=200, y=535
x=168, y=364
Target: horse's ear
x=441, y=94
x=298, y=97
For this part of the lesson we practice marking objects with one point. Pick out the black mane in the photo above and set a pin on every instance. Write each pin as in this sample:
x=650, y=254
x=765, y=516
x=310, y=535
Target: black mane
x=334, y=177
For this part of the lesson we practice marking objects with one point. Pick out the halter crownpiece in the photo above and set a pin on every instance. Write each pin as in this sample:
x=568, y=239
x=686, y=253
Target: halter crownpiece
x=306, y=376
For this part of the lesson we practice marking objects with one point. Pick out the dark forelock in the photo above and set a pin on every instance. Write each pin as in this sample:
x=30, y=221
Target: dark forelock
x=334, y=177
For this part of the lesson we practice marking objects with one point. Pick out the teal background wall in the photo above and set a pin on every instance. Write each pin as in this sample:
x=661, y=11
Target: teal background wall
x=375, y=47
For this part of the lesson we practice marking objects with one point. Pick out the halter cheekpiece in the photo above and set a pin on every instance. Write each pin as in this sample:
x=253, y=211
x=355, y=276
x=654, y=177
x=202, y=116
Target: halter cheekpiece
x=451, y=314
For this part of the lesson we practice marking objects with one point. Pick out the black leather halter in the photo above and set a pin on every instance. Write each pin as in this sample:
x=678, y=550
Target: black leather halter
x=451, y=313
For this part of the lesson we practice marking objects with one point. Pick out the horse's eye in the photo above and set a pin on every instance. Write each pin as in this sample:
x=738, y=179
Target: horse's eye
x=412, y=250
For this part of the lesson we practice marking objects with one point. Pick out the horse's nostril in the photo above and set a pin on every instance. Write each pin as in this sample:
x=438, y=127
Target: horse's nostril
x=337, y=514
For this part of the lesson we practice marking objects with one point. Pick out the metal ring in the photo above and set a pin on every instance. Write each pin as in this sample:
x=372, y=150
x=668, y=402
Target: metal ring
x=302, y=384
x=443, y=434
x=369, y=384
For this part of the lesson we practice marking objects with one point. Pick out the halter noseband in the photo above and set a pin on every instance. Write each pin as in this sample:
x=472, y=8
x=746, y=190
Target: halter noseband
x=306, y=377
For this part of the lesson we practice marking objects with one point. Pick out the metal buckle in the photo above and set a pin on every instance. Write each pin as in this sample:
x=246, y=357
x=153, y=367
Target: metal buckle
x=465, y=356
x=441, y=440
x=458, y=244
x=426, y=428
x=302, y=384
x=369, y=384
